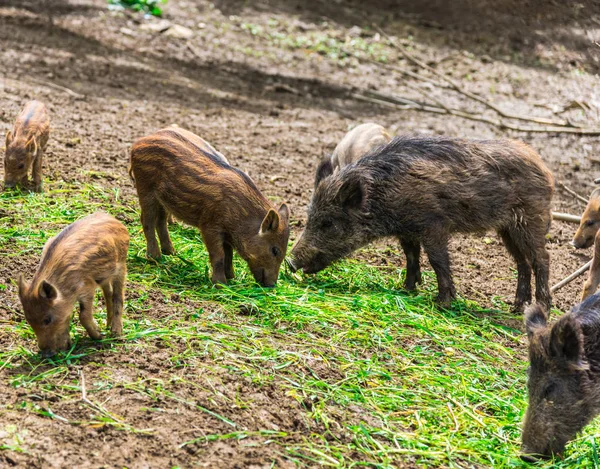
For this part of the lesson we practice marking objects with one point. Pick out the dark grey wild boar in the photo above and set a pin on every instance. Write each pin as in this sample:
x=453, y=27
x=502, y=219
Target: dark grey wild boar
x=355, y=144
x=25, y=146
x=564, y=377
x=177, y=172
x=423, y=189
x=87, y=254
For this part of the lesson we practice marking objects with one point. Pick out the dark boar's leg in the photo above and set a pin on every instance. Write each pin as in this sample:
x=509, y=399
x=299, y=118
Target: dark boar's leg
x=412, y=251
x=511, y=243
x=163, y=231
x=86, y=315
x=215, y=246
x=436, y=248
x=229, y=273
x=149, y=212
x=118, y=287
x=541, y=268
x=37, y=172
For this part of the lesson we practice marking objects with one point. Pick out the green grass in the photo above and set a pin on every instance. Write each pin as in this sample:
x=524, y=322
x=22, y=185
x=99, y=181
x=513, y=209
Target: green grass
x=150, y=7
x=387, y=375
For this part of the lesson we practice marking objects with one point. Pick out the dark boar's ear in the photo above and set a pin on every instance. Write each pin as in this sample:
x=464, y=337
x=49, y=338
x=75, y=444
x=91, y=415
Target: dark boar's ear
x=566, y=341
x=48, y=291
x=324, y=170
x=270, y=222
x=535, y=318
x=352, y=194
x=9, y=138
x=284, y=212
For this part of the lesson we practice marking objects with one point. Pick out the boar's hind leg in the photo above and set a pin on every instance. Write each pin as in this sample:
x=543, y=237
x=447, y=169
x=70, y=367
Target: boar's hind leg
x=107, y=291
x=86, y=316
x=511, y=242
x=149, y=206
x=118, y=288
x=229, y=273
x=436, y=248
x=412, y=251
x=214, y=244
x=163, y=230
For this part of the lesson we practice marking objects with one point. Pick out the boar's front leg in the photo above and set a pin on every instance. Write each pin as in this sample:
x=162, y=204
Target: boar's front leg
x=412, y=251
x=436, y=247
x=86, y=315
x=228, y=249
x=523, y=296
x=215, y=245
x=37, y=171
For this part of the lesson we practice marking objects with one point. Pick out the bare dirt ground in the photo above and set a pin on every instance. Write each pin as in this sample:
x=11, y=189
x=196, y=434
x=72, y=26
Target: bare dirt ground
x=274, y=108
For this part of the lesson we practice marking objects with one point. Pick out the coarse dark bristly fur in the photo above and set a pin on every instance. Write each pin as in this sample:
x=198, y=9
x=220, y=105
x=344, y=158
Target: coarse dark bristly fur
x=423, y=189
x=25, y=146
x=564, y=377
x=90, y=253
x=177, y=172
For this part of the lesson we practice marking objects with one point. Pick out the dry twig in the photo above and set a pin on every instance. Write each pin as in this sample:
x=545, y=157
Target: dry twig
x=570, y=278
x=572, y=192
x=566, y=217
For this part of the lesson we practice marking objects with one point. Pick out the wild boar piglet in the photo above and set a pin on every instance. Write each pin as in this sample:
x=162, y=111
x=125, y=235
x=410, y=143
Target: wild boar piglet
x=422, y=190
x=588, y=234
x=177, y=172
x=87, y=254
x=25, y=146
x=356, y=143
x=563, y=377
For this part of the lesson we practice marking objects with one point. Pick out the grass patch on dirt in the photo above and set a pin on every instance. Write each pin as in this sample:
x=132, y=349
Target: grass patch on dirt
x=386, y=376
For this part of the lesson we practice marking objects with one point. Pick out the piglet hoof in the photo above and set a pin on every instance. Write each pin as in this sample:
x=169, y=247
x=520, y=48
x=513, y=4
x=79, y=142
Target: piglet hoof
x=116, y=331
x=168, y=251
x=153, y=254
x=38, y=188
x=95, y=334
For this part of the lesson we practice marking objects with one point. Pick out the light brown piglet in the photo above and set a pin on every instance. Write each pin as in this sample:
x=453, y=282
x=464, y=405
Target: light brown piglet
x=25, y=146
x=179, y=173
x=588, y=234
x=89, y=253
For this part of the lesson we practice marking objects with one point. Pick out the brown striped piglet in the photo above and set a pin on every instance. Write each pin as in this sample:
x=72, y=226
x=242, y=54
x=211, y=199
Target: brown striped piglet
x=25, y=145
x=356, y=143
x=176, y=172
x=87, y=254
x=588, y=234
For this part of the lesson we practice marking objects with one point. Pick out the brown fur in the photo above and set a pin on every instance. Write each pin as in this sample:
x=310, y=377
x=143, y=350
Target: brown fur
x=424, y=189
x=183, y=175
x=89, y=253
x=590, y=223
x=25, y=146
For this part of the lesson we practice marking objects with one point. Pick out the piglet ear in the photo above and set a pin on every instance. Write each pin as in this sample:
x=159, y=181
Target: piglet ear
x=48, y=291
x=284, y=212
x=324, y=170
x=270, y=222
x=9, y=138
x=535, y=319
x=566, y=340
x=22, y=284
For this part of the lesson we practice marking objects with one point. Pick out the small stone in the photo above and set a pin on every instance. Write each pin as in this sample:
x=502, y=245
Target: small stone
x=179, y=32
x=156, y=26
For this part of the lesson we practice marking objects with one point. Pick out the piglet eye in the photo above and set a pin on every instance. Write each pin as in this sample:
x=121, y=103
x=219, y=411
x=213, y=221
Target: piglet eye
x=589, y=222
x=47, y=320
x=275, y=251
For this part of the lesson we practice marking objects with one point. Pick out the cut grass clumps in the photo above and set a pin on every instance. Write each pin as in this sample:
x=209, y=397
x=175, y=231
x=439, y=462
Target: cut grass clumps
x=389, y=378
x=150, y=7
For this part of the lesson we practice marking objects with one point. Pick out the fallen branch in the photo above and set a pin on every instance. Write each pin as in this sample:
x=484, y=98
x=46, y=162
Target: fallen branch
x=572, y=192
x=405, y=104
x=570, y=278
x=566, y=217
x=456, y=87
x=49, y=84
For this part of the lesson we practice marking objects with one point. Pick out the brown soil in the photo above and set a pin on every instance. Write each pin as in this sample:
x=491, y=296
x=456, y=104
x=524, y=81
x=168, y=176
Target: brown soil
x=274, y=112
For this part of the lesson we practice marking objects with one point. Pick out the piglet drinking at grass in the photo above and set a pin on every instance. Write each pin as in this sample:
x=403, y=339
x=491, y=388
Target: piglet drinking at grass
x=87, y=254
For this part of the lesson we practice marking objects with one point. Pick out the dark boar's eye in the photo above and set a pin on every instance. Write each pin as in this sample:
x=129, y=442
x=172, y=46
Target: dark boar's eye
x=275, y=251
x=21, y=166
x=47, y=320
x=549, y=390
